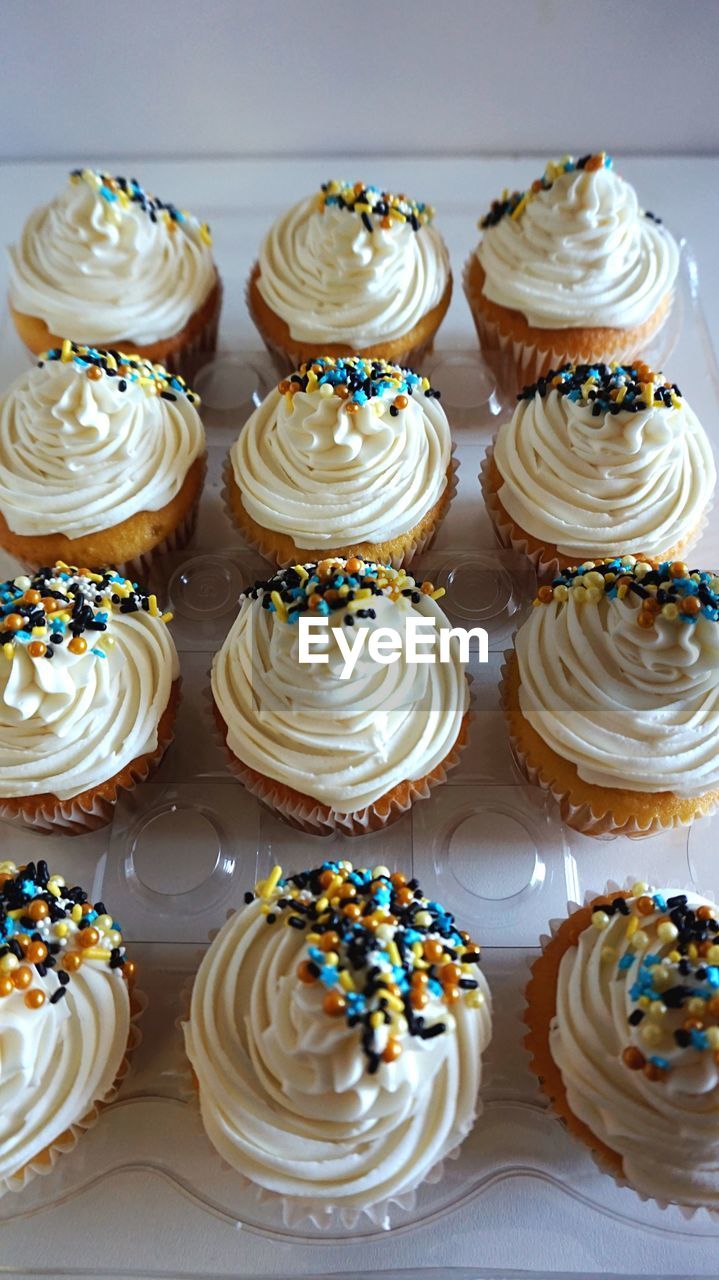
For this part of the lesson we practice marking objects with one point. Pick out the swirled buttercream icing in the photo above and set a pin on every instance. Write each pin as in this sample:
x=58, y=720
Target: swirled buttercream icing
x=636, y=1038
x=577, y=251
x=344, y=451
x=342, y=741
x=336, y=1030
x=619, y=673
x=354, y=265
x=89, y=438
x=86, y=670
x=106, y=262
x=599, y=457
x=64, y=1010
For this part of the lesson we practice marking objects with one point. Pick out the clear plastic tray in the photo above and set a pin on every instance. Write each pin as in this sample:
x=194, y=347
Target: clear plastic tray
x=183, y=848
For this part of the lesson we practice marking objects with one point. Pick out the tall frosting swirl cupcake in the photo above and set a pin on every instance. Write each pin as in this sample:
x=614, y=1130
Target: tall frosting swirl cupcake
x=612, y=695
x=351, y=271
x=66, y=1017
x=102, y=459
x=115, y=267
x=349, y=456
x=336, y=1033
x=332, y=748
x=597, y=457
x=623, y=1011
x=89, y=686
x=571, y=271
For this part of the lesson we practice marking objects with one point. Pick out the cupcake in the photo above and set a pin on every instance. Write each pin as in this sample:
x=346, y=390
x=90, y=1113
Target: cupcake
x=336, y=1033
x=89, y=686
x=351, y=271
x=349, y=456
x=102, y=459
x=571, y=271
x=597, y=457
x=66, y=1017
x=612, y=695
x=115, y=267
x=332, y=744
x=623, y=1011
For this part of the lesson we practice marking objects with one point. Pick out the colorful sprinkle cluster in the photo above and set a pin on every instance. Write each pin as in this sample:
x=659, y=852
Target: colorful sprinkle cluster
x=124, y=369
x=608, y=388
x=673, y=966
x=356, y=380
x=336, y=586
x=119, y=194
x=369, y=202
x=512, y=204
x=668, y=589
x=388, y=958
x=64, y=605
x=47, y=931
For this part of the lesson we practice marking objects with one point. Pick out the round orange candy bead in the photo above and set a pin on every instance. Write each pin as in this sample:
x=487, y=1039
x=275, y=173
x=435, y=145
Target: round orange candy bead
x=86, y=908
x=94, y=373
x=334, y=1004
x=653, y=1072
x=6, y=986
x=451, y=993
x=329, y=941
x=342, y=390
x=645, y=906
x=545, y=595
x=404, y=897
x=418, y=998
x=633, y=1058
x=307, y=972
x=690, y=606
x=450, y=973
x=129, y=971
x=71, y=961
x=398, y=880
x=38, y=909
x=283, y=387
x=37, y=649
x=353, y=565
x=401, y=402
x=419, y=978
x=50, y=604
x=347, y=891
x=36, y=953
x=88, y=937
x=678, y=569
x=327, y=876
x=35, y=999
x=13, y=622
x=704, y=913
x=392, y=1050
x=22, y=977
x=352, y=910
x=645, y=619
x=78, y=644
x=32, y=596
x=713, y=1006
x=433, y=950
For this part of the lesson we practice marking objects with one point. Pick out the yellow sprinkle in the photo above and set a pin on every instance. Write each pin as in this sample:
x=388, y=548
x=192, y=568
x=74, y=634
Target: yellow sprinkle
x=62, y=929
x=152, y=605
x=648, y=394
x=39, y=631
x=322, y=905
x=66, y=351
x=312, y=937
x=346, y=980
x=376, y=1019
x=393, y=953
x=632, y=926
x=475, y=999
x=205, y=236
x=164, y=617
x=393, y=1002
x=437, y=593
x=271, y=882
x=280, y=606
x=97, y=953
x=620, y=394
x=519, y=210
x=76, y=913
x=54, y=889
x=9, y=650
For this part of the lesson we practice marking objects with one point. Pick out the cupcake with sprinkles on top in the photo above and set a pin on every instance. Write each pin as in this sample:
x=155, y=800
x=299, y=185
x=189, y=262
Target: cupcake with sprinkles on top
x=89, y=686
x=597, y=457
x=612, y=695
x=336, y=1032
x=328, y=746
x=351, y=270
x=114, y=266
x=348, y=455
x=102, y=460
x=623, y=1016
x=570, y=271
x=67, y=1012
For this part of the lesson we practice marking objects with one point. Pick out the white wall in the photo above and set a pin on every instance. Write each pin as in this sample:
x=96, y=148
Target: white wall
x=229, y=77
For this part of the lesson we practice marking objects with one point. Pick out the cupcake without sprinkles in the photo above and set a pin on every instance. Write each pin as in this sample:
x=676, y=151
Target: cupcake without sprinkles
x=623, y=1016
x=597, y=457
x=571, y=271
x=336, y=1032
x=351, y=270
x=330, y=753
x=89, y=687
x=115, y=267
x=102, y=459
x=349, y=456
x=67, y=1012
x=612, y=695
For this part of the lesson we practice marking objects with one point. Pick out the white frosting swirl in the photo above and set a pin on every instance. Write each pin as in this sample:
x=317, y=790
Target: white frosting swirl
x=666, y=1132
x=285, y=1094
x=331, y=280
x=631, y=708
x=581, y=254
x=78, y=456
x=343, y=742
x=330, y=479
x=74, y=722
x=587, y=485
x=56, y=1062
x=104, y=271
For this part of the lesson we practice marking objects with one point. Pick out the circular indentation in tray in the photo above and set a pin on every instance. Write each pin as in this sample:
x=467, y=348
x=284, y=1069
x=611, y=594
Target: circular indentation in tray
x=516, y=866
x=205, y=587
x=478, y=588
x=467, y=386
x=233, y=382
x=180, y=846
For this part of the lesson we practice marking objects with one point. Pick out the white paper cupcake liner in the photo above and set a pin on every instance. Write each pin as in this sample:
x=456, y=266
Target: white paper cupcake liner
x=192, y=353
x=412, y=550
x=143, y=567
x=295, y=1211
x=605, y=1166
x=44, y=1163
